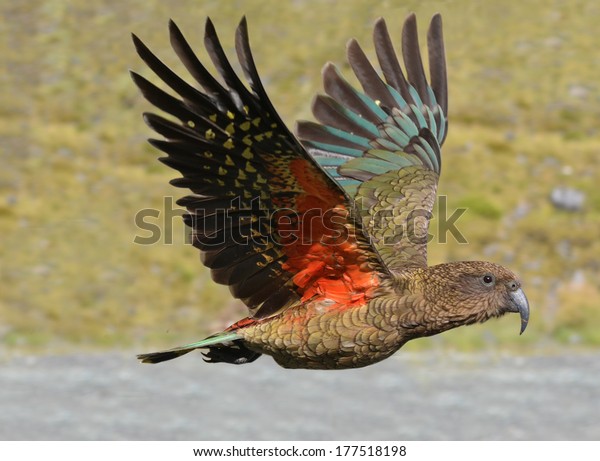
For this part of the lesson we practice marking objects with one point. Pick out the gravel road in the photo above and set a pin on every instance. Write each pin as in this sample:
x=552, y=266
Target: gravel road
x=414, y=396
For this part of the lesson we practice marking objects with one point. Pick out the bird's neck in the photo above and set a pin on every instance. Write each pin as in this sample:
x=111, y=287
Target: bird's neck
x=421, y=313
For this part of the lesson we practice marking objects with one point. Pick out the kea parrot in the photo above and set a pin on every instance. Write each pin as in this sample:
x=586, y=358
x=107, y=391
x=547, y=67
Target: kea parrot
x=322, y=234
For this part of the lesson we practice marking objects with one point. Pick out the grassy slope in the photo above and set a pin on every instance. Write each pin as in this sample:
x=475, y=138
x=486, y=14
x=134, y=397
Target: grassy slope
x=524, y=119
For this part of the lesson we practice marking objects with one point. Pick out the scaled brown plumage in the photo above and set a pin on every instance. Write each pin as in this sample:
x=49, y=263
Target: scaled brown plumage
x=323, y=238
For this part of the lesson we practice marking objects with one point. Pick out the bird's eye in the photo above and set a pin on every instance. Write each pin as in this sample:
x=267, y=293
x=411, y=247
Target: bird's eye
x=488, y=280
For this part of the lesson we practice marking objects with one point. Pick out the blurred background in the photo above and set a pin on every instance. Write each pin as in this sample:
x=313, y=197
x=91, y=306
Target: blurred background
x=522, y=156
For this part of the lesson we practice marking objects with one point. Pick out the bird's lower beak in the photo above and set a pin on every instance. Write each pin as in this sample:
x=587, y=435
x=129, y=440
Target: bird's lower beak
x=520, y=304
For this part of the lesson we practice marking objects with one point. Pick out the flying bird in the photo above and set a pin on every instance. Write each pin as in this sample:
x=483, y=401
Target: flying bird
x=323, y=234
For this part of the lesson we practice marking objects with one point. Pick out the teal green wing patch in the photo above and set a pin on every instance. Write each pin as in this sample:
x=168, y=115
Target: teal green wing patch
x=382, y=144
x=421, y=150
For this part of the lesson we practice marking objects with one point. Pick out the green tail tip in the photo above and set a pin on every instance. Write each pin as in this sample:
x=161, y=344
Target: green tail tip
x=162, y=356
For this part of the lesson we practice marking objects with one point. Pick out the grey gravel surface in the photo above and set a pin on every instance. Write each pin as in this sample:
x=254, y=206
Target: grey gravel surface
x=416, y=396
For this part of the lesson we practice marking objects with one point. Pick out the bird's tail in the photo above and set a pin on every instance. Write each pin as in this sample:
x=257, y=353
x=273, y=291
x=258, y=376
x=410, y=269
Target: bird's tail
x=215, y=340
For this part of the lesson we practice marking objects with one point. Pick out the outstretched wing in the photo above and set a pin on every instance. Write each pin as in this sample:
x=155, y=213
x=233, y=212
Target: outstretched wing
x=383, y=145
x=269, y=222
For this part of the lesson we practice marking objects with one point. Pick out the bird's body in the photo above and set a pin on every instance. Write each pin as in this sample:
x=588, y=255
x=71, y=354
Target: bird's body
x=324, y=239
x=315, y=336
x=326, y=335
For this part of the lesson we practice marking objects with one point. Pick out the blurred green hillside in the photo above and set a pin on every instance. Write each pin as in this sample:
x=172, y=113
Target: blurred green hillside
x=524, y=119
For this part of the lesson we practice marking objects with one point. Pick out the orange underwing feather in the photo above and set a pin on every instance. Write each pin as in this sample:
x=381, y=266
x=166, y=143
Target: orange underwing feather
x=324, y=256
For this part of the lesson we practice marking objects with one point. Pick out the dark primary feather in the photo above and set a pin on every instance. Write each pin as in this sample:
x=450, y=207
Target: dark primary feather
x=372, y=85
x=331, y=113
x=242, y=48
x=437, y=63
x=412, y=59
x=190, y=95
x=388, y=61
x=340, y=90
x=214, y=90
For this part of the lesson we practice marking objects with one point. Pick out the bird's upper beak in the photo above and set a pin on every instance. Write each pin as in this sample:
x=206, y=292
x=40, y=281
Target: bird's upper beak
x=519, y=303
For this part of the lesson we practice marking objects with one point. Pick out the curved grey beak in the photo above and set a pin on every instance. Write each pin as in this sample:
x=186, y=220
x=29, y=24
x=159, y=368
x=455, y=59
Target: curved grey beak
x=520, y=304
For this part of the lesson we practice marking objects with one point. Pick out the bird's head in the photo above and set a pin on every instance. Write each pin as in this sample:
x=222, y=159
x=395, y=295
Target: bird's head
x=462, y=293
